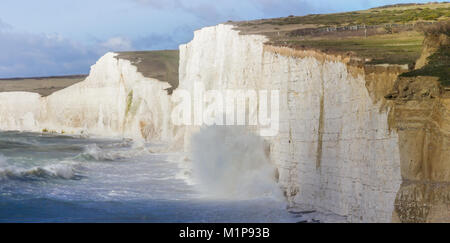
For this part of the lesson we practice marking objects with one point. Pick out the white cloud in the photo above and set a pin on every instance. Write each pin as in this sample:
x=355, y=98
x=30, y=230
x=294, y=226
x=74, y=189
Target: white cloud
x=32, y=55
x=238, y=9
x=205, y=10
x=28, y=54
x=117, y=44
x=167, y=41
x=4, y=26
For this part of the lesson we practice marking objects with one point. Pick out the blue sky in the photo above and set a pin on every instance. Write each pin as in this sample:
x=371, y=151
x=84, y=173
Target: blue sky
x=60, y=37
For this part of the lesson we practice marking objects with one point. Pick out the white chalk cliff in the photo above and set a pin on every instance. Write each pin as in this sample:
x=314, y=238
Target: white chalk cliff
x=334, y=151
x=114, y=101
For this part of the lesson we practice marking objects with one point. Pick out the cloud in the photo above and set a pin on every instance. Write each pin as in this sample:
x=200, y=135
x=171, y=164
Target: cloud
x=160, y=4
x=117, y=44
x=221, y=10
x=27, y=54
x=32, y=55
x=205, y=11
x=166, y=41
x=4, y=26
x=274, y=8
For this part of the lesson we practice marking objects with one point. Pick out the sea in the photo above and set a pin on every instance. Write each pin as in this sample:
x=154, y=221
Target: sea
x=48, y=178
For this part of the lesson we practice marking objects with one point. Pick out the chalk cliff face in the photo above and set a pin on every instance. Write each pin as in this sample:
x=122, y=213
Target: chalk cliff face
x=19, y=111
x=334, y=151
x=115, y=100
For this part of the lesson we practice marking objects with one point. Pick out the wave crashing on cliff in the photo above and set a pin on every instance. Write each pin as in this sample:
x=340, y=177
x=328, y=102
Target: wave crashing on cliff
x=230, y=162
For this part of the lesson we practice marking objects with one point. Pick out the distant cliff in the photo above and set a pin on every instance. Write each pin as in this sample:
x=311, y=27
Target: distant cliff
x=115, y=100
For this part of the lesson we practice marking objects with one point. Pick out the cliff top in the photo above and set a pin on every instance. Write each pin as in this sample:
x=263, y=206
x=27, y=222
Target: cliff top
x=311, y=25
x=392, y=34
x=41, y=85
x=161, y=65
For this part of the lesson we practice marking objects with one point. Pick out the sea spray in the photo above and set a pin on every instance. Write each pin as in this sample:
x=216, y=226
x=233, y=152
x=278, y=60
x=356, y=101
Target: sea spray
x=232, y=163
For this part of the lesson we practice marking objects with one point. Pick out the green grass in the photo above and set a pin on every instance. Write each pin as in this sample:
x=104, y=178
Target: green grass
x=373, y=17
x=393, y=49
x=129, y=102
x=161, y=65
x=438, y=66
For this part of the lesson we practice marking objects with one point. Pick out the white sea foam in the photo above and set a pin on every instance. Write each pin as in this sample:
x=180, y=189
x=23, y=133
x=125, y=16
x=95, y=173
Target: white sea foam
x=63, y=170
x=94, y=152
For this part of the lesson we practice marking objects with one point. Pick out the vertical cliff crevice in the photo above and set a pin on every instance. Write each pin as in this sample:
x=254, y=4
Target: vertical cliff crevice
x=320, y=131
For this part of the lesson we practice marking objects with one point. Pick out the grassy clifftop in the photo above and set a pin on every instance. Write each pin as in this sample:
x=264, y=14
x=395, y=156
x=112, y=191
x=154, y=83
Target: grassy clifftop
x=438, y=61
x=392, y=34
x=395, y=14
x=41, y=85
x=161, y=65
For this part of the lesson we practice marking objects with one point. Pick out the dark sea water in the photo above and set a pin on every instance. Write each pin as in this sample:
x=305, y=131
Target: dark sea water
x=47, y=178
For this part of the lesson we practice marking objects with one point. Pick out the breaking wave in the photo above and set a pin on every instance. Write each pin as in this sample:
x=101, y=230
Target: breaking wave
x=111, y=153
x=63, y=170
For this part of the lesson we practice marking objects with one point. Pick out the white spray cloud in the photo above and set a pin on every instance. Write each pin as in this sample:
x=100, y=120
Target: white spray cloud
x=232, y=163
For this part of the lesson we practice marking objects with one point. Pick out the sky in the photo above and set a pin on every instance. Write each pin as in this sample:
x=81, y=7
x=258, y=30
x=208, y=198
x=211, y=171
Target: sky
x=64, y=37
